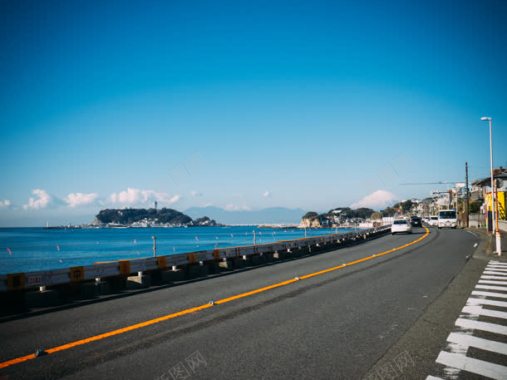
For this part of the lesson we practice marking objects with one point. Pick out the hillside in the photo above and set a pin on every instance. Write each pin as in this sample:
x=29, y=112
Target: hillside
x=143, y=217
x=335, y=217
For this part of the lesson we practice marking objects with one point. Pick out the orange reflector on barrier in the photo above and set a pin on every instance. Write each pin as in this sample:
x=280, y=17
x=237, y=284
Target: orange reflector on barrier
x=76, y=274
x=124, y=266
x=162, y=262
x=192, y=259
x=216, y=254
x=16, y=281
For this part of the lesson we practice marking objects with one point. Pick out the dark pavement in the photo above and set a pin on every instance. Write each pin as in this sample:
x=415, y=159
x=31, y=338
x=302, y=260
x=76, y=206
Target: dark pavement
x=337, y=325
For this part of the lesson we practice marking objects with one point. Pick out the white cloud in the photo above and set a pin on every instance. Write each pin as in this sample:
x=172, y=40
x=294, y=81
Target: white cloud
x=41, y=200
x=266, y=194
x=233, y=207
x=5, y=203
x=80, y=199
x=195, y=193
x=377, y=200
x=133, y=196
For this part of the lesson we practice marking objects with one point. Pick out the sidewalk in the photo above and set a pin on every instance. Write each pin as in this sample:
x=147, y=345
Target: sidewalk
x=487, y=246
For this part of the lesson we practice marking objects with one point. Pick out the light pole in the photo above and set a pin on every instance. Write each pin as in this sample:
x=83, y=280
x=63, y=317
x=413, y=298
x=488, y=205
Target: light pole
x=494, y=199
x=154, y=238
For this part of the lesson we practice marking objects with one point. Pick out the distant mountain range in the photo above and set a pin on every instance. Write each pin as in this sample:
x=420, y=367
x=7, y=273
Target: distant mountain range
x=272, y=215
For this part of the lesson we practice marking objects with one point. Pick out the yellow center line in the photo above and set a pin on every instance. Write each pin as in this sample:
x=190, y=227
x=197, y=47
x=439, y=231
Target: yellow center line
x=195, y=309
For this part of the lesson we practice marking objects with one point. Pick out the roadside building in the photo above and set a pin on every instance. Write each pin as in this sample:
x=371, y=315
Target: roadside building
x=481, y=190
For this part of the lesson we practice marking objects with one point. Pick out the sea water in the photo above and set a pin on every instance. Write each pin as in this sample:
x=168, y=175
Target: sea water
x=34, y=249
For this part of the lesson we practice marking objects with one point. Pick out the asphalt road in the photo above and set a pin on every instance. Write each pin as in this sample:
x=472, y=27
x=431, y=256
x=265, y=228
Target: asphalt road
x=333, y=326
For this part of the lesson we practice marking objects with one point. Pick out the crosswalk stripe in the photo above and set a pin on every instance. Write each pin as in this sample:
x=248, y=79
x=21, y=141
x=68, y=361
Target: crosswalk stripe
x=466, y=341
x=484, y=326
x=500, y=269
x=489, y=294
x=494, y=282
x=487, y=277
x=482, y=301
x=479, y=310
x=476, y=366
x=495, y=272
x=489, y=287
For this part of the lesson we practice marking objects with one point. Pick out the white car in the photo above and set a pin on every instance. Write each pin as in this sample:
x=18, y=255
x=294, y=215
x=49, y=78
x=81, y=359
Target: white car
x=401, y=225
x=433, y=221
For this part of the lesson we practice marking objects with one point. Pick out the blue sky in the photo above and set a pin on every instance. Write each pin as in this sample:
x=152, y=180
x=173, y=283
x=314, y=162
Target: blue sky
x=243, y=105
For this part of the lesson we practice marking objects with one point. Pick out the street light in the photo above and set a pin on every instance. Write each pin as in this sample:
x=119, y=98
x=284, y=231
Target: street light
x=494, y=201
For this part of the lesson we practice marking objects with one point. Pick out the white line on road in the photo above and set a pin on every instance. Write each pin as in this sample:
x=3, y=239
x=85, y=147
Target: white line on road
x=493, y=282
x=479, y=367
x=434, y=378
x=496, y=269
x=476, y=311
x=486, y=277
x=489, y=294
x=482, y=301
x=472, y=341
x=495, y=272
x=484, y=326
x=489, y=287
x=496, y=266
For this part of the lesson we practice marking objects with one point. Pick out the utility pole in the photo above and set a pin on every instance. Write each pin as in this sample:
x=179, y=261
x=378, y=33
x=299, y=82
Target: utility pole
x=467, y=198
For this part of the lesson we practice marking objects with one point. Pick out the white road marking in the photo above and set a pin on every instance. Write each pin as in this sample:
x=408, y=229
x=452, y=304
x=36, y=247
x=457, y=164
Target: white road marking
x=496, y=266
x=433, y=378
x=493, y=282
x=484, y=326
x=479, y=310
x=479, y=367
x=482, y=301
x=489, y=287
x=496, y=269
x=489, y=294
x=472, y=341
x=495, y=272
x=486, y=277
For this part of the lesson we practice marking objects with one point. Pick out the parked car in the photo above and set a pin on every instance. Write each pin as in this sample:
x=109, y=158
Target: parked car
x=401, y=225
x=415, y=221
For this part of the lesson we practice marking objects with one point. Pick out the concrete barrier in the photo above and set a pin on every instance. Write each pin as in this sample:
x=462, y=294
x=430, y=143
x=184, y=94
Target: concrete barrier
x=172, y=275
x=141, y=280
x=50, y=288
x=42, y=298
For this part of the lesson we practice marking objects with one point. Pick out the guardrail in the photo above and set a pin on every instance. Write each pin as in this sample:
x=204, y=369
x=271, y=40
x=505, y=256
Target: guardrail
x=125, y=268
